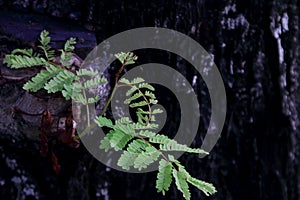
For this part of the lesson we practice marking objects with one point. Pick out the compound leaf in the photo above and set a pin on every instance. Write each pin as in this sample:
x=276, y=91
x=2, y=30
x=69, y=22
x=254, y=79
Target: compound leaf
x=164, y=176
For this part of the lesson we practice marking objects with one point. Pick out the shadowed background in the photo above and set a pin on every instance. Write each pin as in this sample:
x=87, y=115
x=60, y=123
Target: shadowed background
x=255, y=45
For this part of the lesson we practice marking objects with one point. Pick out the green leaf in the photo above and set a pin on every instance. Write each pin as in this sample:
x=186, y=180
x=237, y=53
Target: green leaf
x=181, y=184
x=146, y=86
x=45, y=40
x=134, y=97
x=119, y=139
x=167, y=144
x=149, y=94
x=27, y=52
x=69, y=45
x=57, y=83
x=141, y=111
x=105, y=142
x=103, y=121
x=85, y=72
x=160, y=139
x=164, y=176
x=94, y=82
x=205, y=187
x=129, y=156
x=39, y=80
x=172, y=145
x=127, y=160
x=123, y=120
x=126, y=58
x=173, y=160
x=138, y=104
x=147, y=133
x=125, y=128
x=142, y=118
x=93, y=100
x=137, y=80
x=153, y=119
x=73, y=91
x=137, y=146
x=124, y=80
x=20, y=61
x=147, y=157
x=66, y=54
x=157, y=111
x=139, y=126
x=152, y=101
x=131, y=90
x=79, y=98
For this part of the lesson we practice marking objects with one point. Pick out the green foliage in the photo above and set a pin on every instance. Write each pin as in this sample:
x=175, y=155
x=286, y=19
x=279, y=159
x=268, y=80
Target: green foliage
x=167, y=144
x=76, y=90
x=23, y=61
x=181, y=183
x=57, y=83
x=66, y=53
x=140, y=142
x=127, y=160
x=85, y=72
x=119, y=139
x=45, y=40
x=133, y=97
x=139, y=99
x=142, y=146
x=145, y=158
x=105, y=142
x=38, y=81
x=137, y=146
x=126, y=58
x=182, y=178
x=73, y=91
x=94, y=82
x=103, y=121
x=207, y=188
x=55, y=75
x=164, y=176
x=26, y=52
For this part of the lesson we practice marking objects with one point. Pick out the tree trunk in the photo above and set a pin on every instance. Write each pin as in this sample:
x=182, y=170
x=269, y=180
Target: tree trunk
x=255, y=45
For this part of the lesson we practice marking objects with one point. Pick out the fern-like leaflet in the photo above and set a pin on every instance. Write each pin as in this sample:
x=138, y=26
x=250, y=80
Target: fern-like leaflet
x=66, y=53
x=23, y=61
x=45, y=40
x=141, y=145
x=164, y=176
x=55, y=75
x=38, y=81
x=57, y=83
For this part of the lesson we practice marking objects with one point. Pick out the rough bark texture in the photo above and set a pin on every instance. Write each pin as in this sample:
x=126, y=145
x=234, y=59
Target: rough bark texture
x=256, y=47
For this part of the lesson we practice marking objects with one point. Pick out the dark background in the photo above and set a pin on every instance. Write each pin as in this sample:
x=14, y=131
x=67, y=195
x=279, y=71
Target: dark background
x=257, y=156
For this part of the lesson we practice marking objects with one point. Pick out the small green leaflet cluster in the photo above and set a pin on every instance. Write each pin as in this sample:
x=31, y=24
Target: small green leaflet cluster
x=55, y=76
x=66, y=54
x=126, y=58
x=21, y=61
x=142, y=146
x=139, y=100
x=182, y=178
x=45, y=40
x=138, y=142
